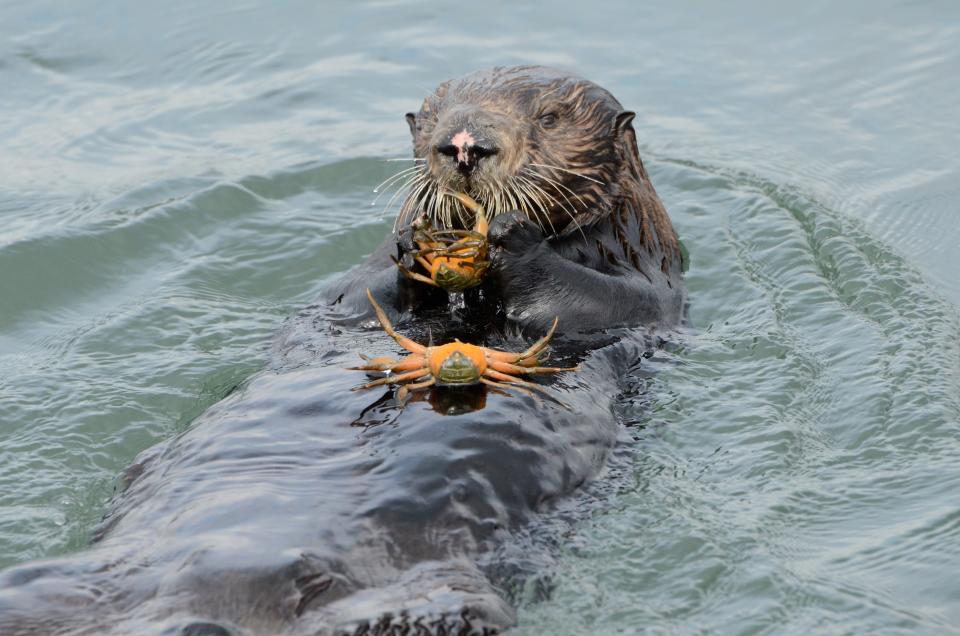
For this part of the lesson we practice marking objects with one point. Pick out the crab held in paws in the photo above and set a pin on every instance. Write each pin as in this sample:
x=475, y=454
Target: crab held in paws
x=455, y=364
x=454, y=259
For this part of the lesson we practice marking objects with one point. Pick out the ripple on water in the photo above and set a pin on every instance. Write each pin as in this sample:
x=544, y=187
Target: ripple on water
x=798, y=468
x=122, y=326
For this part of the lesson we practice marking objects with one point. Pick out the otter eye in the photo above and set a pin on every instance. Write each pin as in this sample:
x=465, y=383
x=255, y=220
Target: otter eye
x=548, y=120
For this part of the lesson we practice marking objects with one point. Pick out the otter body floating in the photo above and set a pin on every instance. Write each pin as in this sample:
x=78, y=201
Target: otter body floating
x=275, y=514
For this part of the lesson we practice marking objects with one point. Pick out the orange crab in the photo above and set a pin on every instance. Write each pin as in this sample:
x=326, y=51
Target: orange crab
x=455, y=364
x=455, y=259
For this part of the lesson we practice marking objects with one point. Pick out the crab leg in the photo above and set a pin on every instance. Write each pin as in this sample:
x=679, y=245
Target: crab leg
x=463, y=235
x=503, y=377
x=500, y=389
x=535, y=349
x=466, y=238
x=506, y=367
x=509, y=382
x=474, y=234
x=407, y=363
x=471, y=204
x=461, y=238
x=510, y=387
x=404, y=342
x=458, y=249
x=405, y=390
x=417, y=386
x=414, y=275
x=395, y=379
x=463, y=251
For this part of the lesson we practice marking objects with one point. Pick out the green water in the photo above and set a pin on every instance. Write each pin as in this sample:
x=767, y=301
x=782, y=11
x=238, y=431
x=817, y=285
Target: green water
x=175, y=180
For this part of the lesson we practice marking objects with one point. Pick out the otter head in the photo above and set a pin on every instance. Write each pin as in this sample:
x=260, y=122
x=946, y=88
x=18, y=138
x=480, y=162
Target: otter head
x=529, y=138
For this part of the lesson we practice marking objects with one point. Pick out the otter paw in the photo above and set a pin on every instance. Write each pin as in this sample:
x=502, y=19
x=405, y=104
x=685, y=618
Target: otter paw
x=406, y=245
x=514, y=232
x=405, y=241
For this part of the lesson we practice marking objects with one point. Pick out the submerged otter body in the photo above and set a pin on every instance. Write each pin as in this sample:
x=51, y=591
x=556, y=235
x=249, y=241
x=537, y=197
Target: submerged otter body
x=298, y=506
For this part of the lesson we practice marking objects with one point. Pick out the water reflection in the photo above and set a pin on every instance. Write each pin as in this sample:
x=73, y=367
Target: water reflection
x=443, y=400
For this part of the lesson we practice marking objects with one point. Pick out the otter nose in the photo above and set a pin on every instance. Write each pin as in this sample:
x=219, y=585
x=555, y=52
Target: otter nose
x=466, y=150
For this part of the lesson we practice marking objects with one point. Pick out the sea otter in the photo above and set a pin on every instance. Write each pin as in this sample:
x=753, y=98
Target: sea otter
x=578, y=230
x=297, y=506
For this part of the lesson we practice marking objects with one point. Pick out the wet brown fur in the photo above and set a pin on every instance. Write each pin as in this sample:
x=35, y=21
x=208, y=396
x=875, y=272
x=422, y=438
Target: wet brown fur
x=593, y=137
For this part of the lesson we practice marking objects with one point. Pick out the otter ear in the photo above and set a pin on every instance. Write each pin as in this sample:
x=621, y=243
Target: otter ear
x=412, y=122
x=623, y=124
x=623, y=121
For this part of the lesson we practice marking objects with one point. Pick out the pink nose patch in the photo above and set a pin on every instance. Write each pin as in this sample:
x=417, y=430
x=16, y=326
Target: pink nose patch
x=463, y=140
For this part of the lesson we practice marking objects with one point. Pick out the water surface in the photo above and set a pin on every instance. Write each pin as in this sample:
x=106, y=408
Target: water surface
x=175, y=180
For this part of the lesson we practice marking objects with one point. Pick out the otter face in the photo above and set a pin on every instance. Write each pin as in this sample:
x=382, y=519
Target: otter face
x=523, y=138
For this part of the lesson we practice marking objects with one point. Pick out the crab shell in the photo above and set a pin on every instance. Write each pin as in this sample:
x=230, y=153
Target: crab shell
x=456, y=274
x=454, y=259
x=456, y=363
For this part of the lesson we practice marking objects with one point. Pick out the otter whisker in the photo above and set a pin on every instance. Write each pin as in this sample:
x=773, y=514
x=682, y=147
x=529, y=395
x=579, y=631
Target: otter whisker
x=508, y=195
x=399, y=176
x=543, y=205
x=543, y=199
x=531, y=214
x=441, y=207
x=414, y=197
x=449, y=204
x=535, y=200
x=430, y=203
x=563, y=203
x=515, y=197
x=489, y=200
x=557, y=184
x=404, y=188
x=574, y=173
x=408, y=184
x=524, y=195
x=506, y=200
x=484, y=199
x=498, y=199
x=395, y=176
x=532, y=206
x=420, y=199
x=456, y=205
x=545, y=215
